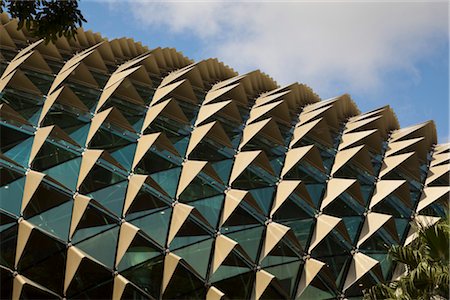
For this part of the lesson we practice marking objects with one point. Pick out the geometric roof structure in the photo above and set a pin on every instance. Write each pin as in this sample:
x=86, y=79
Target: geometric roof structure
x=129, y=172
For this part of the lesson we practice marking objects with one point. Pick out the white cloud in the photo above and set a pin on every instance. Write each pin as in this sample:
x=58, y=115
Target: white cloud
x=330, y=46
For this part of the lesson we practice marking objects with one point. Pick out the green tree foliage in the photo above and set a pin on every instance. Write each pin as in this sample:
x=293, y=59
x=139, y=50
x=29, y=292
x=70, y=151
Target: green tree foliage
x=47, y=19
x=427, y=267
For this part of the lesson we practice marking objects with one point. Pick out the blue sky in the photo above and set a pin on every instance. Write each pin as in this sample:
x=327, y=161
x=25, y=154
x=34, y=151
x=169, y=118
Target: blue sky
x=379, y=53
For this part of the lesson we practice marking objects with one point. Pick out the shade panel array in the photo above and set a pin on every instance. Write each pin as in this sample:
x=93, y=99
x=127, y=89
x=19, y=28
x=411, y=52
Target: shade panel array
x=132, y=173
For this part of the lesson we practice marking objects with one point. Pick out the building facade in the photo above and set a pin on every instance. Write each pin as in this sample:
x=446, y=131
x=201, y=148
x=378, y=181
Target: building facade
x=135, y=173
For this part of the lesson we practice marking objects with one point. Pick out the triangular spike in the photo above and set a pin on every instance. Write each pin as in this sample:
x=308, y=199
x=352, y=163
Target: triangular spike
x=127, y=233
x=179, y=215
x=396, y=147
x=373, y=222
x=310, y=270
x=344, y=156
x=367, y=137
x=23, y=234
x=259, y=111
x=171, y=262
x=337, y=186
x=434, y=173
x=145, y=142
x=190, y=170
x=324, y=225
x=274, y=234
x=80, y=203
x=213, y=129
x=120, y=284
x=306, y=117
x=168, y=107
x=308, y=153
x=254, y=129
x=208, y=110
x=360, y=265
x=357, y=124
x=303, y=130
x=216, y=92
x=183, y=85
x=386, y=187
x=244, y=159
x=431, y=194
x=112, y=86
x=90, y=157
x=32, y=182
x=285, y=189
x=263, y=280
x=41, y=135
x=394, y=161
x=223, y=246
x=214, y=294
x=74, y=258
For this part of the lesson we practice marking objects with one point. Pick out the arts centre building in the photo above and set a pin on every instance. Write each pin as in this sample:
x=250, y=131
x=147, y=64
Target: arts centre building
x=135, y=173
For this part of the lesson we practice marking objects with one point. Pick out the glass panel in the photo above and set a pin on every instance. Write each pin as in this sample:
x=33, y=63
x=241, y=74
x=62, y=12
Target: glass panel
x=21, y=153
x=184, y=285
x=385, y=263
x=286, y=275
x=140, y=250
x=154, y=162
x=88, y=275
x=27, y=105
x=105, y=254
x=302, y=229
x=8, y=237
x=392, y=205
x=55, y=221
x=144, y=203
x=240, y=219
x=51, y=155
x=316, y=192
x=189, y=233
x=223, y=169
x=39, y=247
x=49, y=272
x=80, y=134
x=11, y=137
x=156, y=225
x=353, y=225
x=293, y=208
x=168, y=180
x=249, y=239
x=11, y=196
x=199, y=188
x=103, y=290
x=93, y=222
x=211, y=151
x=125, y=155
x=332, y=244
x=338, y=265
x=112, y=197
x=197, y=255
x=6, y=286
x=210, y=208
x=148, y=276
x=235, y=277
x=264, y=198
x=253, y=178
x=132, y=292
x=32, y=292
x=318, y=289
x=98, y=178
x=109, y=140
x=66, y=173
